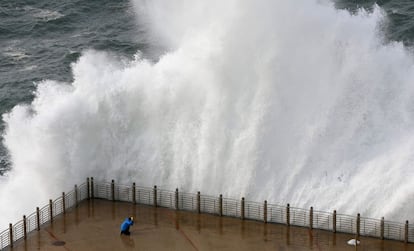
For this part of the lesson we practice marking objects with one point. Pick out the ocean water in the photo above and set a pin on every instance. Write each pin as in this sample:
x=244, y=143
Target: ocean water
x=307, y=102
x=41, y=39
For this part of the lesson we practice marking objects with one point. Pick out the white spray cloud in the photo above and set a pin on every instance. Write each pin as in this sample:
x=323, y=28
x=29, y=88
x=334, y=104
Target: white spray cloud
x=289, y=101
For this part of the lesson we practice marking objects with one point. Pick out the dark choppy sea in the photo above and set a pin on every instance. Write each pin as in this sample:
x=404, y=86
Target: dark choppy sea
x=40, y=39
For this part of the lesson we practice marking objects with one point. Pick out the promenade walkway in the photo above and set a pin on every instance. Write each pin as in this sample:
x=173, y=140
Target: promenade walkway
x=94, y=225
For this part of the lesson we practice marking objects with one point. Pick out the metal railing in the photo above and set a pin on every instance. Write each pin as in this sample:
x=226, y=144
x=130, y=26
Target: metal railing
x=34, y=221
x=268, y=213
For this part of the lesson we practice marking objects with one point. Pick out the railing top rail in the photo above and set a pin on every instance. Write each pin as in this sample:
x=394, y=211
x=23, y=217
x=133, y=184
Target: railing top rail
x=144, y=188
x=299, y=209
x=370, y=219
x=188, y=194
x=209, y=197
x=321, y=212
x=123, y=186
x=165, y=191
x=339, y=214
x=276, y=205
x=31, y=215
x=230, y=200
x=254, y=203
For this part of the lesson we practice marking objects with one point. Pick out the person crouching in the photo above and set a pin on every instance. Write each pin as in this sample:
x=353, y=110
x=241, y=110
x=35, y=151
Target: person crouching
x=126, y=224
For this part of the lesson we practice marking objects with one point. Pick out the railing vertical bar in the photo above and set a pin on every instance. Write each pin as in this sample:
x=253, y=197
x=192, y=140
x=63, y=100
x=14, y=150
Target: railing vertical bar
x=198, y=202
x=38, y=218
x=63, y=203
x=51, y=210
x=11, y=234
x=311, y=218
x=24, y=227
x=176, y=199
x=76, y=195
x=155, y=196
x=92, y=189
x=113, y=190
x=88, y=188
x=242, y=209
x=288, y=214
x=134, y=199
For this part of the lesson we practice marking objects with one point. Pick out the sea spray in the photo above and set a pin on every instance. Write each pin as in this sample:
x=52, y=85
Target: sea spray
x=288, y=101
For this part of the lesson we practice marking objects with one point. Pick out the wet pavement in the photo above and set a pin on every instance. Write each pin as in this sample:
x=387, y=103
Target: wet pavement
x=95, y=225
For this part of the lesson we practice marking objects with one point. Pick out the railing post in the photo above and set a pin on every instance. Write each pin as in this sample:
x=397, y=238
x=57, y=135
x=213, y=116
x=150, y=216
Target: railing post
x=76, y=195
x=24, y=227
x=242, y=209
x=38, y=218
x=88, y=188
x=288, y=214
x=92, y=189
x=198, y=202
x=382, y=228
x=63, y=203
x=11, y=234
x=113, y=190
x=176, y=199
x=221, y=205
x=358, y=225
x=155, y=196
x=134, y=192
x=311, y=218
x=265, y=212
x=51, y=210
x=406, y=232
x=334, y=221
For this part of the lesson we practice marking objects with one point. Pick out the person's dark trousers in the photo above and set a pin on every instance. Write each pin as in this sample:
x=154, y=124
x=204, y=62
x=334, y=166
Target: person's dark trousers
x=126, y=232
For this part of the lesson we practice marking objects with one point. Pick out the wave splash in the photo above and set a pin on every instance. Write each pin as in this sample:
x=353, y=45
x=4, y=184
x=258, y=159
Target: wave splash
x=286, y=101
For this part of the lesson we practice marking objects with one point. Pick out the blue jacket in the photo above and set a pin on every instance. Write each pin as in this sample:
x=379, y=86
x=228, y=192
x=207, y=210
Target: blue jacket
x=126, y=224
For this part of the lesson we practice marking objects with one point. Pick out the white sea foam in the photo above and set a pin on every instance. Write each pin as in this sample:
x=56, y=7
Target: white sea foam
x=43, y=14
x=15, y=54
x=289, y=101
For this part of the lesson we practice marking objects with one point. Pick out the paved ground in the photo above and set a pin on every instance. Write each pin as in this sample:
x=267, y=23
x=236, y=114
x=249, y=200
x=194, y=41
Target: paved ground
x=94, y=225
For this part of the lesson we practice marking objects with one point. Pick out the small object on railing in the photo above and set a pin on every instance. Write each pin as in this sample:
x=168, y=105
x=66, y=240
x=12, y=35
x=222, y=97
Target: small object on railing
x=242, y=209
x=24, y=227
x=358, y=225
x=311, y=218
x=265, y=212
x=92, y=189
x=334, y=221
x=155, y=196
x=382, y=228
x=288, y=215
x=198, y=202
x=406, y=232
x=134, y=199
x=38, y=218
x=11, y=234
x=63, y=203
x=113, y=190
x=176, y=199
x=221, y=205
x=51, y=210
